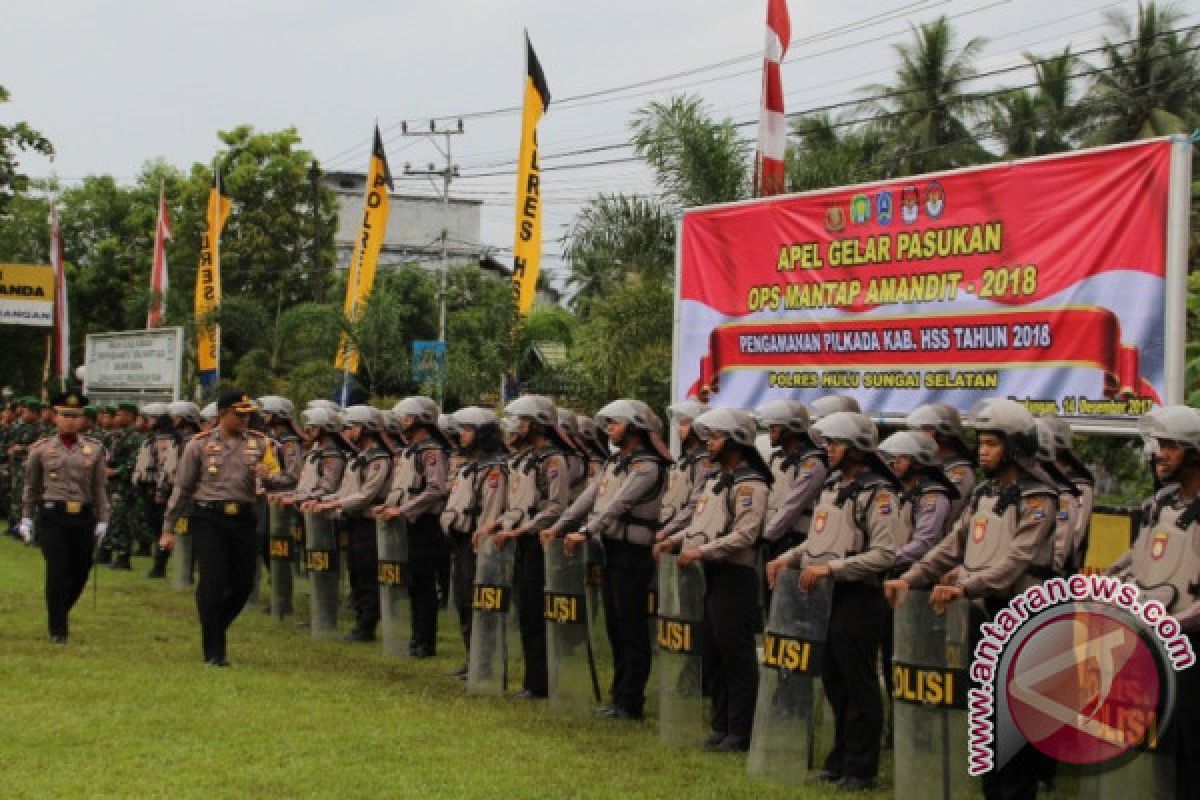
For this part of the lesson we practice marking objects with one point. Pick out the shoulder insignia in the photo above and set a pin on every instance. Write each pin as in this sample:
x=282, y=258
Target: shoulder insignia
x=1039, y=506
x=884, y=503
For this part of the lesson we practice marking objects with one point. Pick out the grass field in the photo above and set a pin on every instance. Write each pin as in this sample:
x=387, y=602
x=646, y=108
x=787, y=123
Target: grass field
x=128, y=709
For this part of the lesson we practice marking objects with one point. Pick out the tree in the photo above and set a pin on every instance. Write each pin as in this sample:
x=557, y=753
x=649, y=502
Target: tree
x=826, y=152
x=926, y=115
x=697, y=159
x=16, y=139
x=1148, y=83
x=615, y=238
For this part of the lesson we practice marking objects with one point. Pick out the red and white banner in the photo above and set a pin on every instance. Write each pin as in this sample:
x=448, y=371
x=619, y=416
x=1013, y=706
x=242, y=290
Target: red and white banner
x=772, y=124
x=62, y=315
x=1042, y=280
x=158, y=266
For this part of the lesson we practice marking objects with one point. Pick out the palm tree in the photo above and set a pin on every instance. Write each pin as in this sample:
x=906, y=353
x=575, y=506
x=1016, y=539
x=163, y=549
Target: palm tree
x=614, y=238
x=1015, y=123
x=1148, y=83
x=825, y=152
x=1059, y=113
x=926, y=116
x=697, y=160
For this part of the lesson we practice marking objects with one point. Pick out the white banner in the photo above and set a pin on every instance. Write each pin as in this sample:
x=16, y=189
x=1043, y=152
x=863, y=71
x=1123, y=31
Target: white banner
x=27, y=295
x=133, y=361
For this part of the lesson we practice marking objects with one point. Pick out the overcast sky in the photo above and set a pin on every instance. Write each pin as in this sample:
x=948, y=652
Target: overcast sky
x=114, y=83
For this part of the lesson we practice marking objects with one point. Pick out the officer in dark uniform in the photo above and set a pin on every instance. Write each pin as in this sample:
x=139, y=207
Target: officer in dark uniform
x=418, y=494
x=65, y=488
x=217, y=476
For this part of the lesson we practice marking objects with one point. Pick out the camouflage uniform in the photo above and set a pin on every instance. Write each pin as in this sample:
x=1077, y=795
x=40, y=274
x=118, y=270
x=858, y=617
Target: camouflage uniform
x=23, y=435
x=121, y=446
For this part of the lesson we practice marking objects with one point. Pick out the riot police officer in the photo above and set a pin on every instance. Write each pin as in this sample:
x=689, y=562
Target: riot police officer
x=1002, y=544
x=1074, y=544
x=687, y=476
x=539, y=489
x=216, y=486
x=944, y=424
x=723, y=535
x=418, y=494
x=595, y=445
x=621, y=512
x=799, y=467
x=926, y=499
x=831, y=404
x=364, y=484
x=576, y=455
x=65, y=487
x=324, y=461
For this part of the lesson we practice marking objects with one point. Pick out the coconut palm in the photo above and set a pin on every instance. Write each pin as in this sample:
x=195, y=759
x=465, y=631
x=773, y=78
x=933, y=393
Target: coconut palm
x=825, y=152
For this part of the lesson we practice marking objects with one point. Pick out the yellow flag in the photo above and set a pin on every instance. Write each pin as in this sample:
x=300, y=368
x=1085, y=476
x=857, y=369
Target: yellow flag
x=527, y=248
x=360, y=277
x=208, y=287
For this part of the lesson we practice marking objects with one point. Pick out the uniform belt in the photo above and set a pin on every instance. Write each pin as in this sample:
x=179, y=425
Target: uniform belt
x=229, y=509
x=72, y=507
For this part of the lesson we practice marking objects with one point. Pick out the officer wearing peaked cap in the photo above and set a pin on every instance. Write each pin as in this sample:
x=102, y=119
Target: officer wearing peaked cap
x=218, y=475
x=65, y=491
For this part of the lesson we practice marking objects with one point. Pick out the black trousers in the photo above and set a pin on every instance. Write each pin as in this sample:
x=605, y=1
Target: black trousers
x=851, y=679
x=362, y=563
x=628, y=571
x=426, y=546
x=226, y=551
x=530, y=586
x=464, y=580
x=1187, y=728
x=731, y=617
x=67, y=544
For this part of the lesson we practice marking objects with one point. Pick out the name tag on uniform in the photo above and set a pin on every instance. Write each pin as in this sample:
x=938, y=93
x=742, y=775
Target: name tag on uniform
x=231, y=509
x=74, y=507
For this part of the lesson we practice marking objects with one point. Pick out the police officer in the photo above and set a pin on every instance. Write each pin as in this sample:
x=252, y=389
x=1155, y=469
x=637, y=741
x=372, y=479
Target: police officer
x=216, y=486
x=364, y=483
x=852, y=541
x=1165, y=560
x=944, y=424
x=476, y=499
x=799, y=468
x=186, y=422
x=1070, y=554
x=1067, y=515
x=418, y=494
x=539, y=491
x=576, y=455
x=279, y=418
x=65, y=486
x=621, y=511
x=160, y=443
x=687, y=476
x=1002, y=544
x=595, y=445
x=831, y=404
x=323, y=462
x=723, y=536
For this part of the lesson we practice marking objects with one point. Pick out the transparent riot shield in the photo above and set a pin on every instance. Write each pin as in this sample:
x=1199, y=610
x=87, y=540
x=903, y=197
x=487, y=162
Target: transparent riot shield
x=280, y=549
x=492, y=610
x=1145, y=773
x=394, y=600
x=782, y=746
x=680, y=596
x=597, y=626
x=930, y=658
x=183, y=577
x=573, y=683
x=321, y=560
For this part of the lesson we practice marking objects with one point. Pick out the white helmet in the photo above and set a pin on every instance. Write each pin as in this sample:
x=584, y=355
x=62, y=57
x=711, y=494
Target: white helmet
x=423, y=408
x=1047, y=446
x=320, y=402
x=788, y=413
x=1172, y=423
x=370, y=418
x=535, y=407
x=632, y=412
x=567, y=421
x=325, y=419
x=474, y=417
x=735, y=423
x=448, y=425
x=940, y=417
x=846, y=426
x=185, y=409
x=1064, y=437
x=831, y=404
x=209, y=412
x=1009, y=419
x=686, y=410
x=917, y=445
x=154, y=410
x=274, y=404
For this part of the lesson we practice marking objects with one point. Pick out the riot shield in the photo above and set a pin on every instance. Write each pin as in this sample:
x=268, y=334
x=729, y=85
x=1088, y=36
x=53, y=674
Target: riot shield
x=594, y=592
x=573, y=683
x=280, y=549
x=394, y=601
x=1145, y=773
x=183, y=576
x=782, y=746
x=680, y=596
x=930, y=658
x=321, y=560
x=491, y=604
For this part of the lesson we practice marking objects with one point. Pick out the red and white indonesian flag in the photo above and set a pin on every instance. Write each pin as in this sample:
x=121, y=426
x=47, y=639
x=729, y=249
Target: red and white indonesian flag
x=158, y=268
x=62, y=319
x=772, y=124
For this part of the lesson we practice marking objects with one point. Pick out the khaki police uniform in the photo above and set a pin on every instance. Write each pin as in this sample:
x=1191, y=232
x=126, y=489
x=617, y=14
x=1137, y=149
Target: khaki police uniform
x=475, y=499
x=364, y=484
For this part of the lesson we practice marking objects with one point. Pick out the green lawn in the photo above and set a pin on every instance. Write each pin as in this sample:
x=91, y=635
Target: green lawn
x=127, y=709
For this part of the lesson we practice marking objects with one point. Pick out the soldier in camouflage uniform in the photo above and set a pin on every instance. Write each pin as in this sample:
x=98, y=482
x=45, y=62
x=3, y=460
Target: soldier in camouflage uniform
x=6, y=419
x=24, y=433
x=46, y=426
x=144, y=537
x=121, y=445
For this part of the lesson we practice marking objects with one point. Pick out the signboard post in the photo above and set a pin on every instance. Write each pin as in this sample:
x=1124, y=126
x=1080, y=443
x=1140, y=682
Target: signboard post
x=1056, y=281
x=142, y=366
x=27, y=295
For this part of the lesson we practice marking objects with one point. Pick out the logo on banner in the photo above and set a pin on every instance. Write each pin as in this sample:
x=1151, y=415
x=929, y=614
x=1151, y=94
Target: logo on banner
x=883, y=208
x=935, y=200
x=860, y=209
x=910, y=205
x=835, y=219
